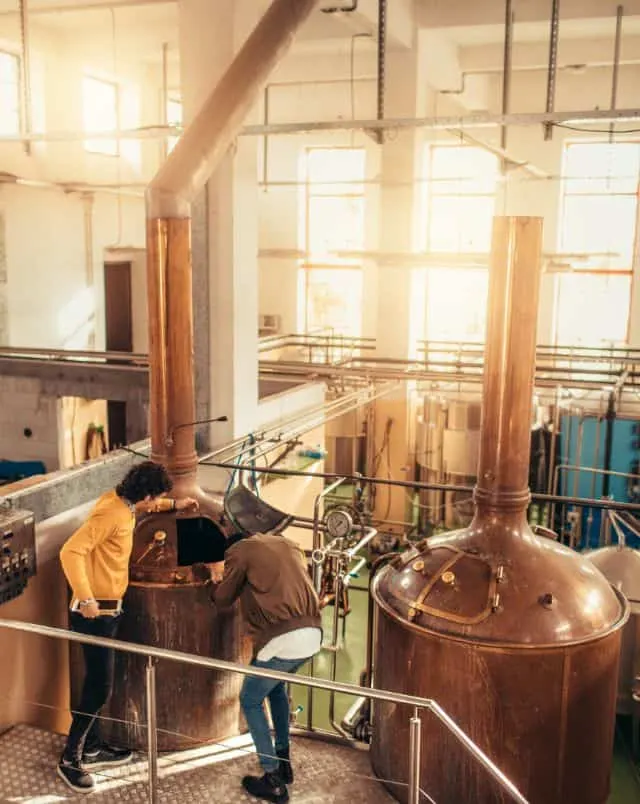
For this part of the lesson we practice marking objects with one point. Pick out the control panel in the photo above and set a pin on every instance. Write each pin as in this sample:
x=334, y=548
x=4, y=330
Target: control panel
x=17, y=552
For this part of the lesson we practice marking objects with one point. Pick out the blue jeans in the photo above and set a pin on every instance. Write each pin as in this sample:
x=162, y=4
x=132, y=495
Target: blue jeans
x=254, y=691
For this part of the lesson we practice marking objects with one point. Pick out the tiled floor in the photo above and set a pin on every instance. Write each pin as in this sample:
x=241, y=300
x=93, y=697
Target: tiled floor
x=325, y=774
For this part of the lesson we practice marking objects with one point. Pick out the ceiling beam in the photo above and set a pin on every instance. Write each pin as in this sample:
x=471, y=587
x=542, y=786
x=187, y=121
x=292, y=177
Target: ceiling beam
x=455, y=13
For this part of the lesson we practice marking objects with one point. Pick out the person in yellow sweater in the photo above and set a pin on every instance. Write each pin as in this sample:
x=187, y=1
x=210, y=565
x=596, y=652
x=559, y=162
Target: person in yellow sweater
x=95, y=561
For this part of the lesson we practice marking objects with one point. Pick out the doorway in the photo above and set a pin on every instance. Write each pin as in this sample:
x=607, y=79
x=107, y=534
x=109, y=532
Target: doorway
x=118, y=338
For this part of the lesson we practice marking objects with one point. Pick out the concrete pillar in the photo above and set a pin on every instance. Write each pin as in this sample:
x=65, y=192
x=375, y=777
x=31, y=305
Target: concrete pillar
x=400, y=165
x=224, y=233
x=399, y=321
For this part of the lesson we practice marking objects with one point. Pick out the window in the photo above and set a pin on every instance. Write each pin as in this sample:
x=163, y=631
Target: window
x=598, y=221
x=100, y=113
x=174, y=118
x=600, y=185
x=9, y=94
x=332, y=221
x=460, y=194
x=459, y=201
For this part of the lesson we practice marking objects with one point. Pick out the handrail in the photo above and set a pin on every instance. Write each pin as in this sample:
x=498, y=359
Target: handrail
x=306, y=681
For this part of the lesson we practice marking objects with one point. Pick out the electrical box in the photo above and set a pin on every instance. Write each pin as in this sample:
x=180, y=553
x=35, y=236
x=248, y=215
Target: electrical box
x=17, y=552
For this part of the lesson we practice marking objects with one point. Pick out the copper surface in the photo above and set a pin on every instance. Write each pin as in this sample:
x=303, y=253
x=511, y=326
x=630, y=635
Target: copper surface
x=171, y=375
x=515, y=636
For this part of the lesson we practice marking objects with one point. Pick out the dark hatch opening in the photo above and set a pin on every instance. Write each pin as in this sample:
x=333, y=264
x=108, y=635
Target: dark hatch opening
x=199, y=540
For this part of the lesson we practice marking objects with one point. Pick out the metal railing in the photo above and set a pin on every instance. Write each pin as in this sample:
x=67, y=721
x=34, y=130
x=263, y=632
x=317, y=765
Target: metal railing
x=154, y=654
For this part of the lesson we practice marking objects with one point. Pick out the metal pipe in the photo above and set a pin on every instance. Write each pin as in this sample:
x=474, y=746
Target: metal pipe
x=505, y=436
x=164, y=112
x=610, y=418
x=152, y=730
x=553, y=65
x=25, y=76
x=506, y=74
x=206, y=141
x=479, y=120
x=579, y=440
x=616, y=64
x=382, y=65
x=415, y=740
x=417, y=485
x=555, y=434
x=265, y=141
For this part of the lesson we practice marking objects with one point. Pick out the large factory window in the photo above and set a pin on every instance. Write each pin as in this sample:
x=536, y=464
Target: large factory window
x=9, y=94
x=100, y=113
x=600, y=184
x=459, y=203
x=460, y=198
x=332, y=233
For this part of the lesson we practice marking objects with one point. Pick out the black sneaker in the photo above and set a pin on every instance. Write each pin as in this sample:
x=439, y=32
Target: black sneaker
x=106, y=757
x=74, y=776
x=285, y=768
x=270, y=787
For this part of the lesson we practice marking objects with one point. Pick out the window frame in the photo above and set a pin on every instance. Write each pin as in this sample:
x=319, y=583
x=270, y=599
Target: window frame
x=432, y=194
x=311, y=262
x=566, y=192
x=99, y=147
x=17, y=58
x=595, y=270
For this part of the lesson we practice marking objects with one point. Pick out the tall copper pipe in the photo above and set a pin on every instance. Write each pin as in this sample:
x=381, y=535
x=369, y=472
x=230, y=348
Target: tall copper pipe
x=514, y=282
x=169, y=276
x=171, y=344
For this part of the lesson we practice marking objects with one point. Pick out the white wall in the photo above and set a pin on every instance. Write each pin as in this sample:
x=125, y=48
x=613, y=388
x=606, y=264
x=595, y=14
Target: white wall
x=48, y=259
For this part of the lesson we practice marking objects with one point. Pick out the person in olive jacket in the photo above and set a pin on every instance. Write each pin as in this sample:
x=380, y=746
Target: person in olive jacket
x=268, y=574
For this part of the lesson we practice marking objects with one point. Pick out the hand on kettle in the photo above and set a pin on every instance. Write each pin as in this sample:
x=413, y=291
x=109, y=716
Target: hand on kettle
x=187, y=503
x=201, y=573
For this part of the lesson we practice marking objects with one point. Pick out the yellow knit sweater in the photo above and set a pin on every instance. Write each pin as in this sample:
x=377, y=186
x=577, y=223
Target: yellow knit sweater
x=95, y=559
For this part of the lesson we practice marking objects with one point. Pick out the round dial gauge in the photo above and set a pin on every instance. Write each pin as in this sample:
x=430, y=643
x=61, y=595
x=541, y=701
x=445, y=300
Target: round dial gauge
x=339, y=523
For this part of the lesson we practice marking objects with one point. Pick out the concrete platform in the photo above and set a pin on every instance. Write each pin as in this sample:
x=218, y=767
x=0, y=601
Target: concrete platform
x=325, y=774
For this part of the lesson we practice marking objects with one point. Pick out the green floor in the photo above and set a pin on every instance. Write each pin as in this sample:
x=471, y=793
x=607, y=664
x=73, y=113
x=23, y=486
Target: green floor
x=625, y=780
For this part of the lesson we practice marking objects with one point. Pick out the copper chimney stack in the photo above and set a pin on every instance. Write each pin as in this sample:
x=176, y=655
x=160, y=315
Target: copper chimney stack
x=515, y=636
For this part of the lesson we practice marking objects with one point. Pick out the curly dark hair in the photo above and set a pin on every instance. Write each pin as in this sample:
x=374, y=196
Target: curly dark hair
x=147, y=479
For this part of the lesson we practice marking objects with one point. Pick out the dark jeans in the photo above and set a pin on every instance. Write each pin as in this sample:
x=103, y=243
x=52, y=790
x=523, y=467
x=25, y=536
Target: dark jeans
x=252, y=696
x=84, y=734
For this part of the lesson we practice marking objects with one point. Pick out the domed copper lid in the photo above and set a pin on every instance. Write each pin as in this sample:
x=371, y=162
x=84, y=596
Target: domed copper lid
x=494, y=585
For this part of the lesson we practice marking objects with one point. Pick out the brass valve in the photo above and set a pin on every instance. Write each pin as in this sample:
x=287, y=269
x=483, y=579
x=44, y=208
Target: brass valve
x=159, y=537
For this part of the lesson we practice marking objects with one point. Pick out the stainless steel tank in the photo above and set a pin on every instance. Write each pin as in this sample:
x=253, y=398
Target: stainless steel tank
x=621, y=567
x=516, y=637
x=448, y=438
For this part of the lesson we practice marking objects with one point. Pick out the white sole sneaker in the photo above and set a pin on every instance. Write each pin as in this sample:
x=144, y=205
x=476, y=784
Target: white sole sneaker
x=118, y=763
x=84, y=790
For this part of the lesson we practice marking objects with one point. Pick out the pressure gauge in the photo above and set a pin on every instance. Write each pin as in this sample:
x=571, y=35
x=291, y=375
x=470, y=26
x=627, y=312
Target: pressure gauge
x=339, y=523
